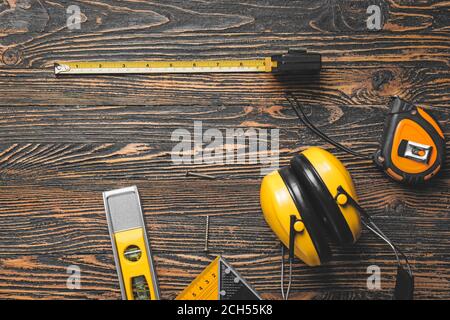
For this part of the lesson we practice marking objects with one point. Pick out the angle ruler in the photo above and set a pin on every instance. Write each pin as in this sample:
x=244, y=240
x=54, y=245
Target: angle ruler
x=131, y=249
x=294, y=61
x=219, y=281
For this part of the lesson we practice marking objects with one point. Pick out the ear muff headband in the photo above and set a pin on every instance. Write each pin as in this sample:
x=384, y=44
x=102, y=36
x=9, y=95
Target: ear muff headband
x=310, y=219
x=333, y=175
x=326, y=207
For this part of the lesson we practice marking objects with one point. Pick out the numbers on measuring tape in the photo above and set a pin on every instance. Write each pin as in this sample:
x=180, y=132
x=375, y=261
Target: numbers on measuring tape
x=194, y=66
x=215, y=283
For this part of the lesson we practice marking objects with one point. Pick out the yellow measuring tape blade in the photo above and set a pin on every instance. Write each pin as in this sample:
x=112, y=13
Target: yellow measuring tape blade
x=205, y=286
x=189, y=66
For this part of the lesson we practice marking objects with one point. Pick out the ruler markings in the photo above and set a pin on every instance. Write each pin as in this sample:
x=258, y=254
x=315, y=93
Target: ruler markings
x=190, y=66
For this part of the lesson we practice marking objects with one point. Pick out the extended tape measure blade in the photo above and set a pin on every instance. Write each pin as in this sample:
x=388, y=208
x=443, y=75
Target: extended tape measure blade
x=143, y=67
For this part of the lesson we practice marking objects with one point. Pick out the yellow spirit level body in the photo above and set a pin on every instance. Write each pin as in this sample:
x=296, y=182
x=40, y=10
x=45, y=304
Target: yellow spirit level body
x=131, y=249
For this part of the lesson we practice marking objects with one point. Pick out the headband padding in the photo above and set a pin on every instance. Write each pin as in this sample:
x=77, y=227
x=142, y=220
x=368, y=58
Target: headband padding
x=326, y=207
x=306, y=209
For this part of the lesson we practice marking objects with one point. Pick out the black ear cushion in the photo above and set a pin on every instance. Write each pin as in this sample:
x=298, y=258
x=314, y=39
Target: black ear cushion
x=325, y=206
x=304, y=206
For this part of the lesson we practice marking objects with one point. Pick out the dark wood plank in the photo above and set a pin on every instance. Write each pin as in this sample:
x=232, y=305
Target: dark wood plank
x=360, y=67
x=67, y=162
x=21, y=16
x=372, y=70
x=73, y=212
x=343, y=278
x=349, y=85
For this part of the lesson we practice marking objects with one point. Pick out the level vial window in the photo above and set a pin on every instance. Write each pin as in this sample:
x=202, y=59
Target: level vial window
x=133, y=253
x=140, y=288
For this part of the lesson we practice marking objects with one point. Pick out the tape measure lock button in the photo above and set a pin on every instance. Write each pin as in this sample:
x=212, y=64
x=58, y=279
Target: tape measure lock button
x=415, y=151
x=420, y=153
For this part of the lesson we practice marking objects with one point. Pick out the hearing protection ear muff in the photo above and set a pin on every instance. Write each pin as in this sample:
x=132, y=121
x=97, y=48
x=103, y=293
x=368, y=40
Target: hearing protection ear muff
x=287, y=209
x=313, y=201
x=308, y=191
x=322, y=174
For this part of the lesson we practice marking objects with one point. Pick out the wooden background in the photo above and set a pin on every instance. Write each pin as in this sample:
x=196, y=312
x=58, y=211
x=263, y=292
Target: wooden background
x=65, y=140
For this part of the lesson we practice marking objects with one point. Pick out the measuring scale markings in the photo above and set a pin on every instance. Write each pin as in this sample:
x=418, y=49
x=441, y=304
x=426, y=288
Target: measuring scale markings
x=218, y=281
x=295, y=60
x=193, y=66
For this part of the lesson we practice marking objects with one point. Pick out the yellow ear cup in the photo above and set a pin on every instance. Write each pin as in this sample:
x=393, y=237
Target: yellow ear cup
x=333, y=174
x=277, y=206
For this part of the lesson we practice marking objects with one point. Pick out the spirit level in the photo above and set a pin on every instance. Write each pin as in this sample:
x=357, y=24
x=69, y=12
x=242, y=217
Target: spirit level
x=219, y=281
x=131, y=249
x=295, y=61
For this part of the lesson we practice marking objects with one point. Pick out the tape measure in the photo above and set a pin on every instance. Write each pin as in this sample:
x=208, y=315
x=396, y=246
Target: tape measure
x=218, y=281
x=412, y=148
x=130, y=245
x=295, y=60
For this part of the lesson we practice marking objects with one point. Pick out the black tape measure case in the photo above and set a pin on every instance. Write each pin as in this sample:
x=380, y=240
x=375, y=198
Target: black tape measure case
x=412, y=148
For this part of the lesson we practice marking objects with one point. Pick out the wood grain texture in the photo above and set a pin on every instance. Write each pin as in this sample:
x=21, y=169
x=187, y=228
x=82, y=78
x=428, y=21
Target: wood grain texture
x=66, y=140
x=351, y=85
x=181, y=16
